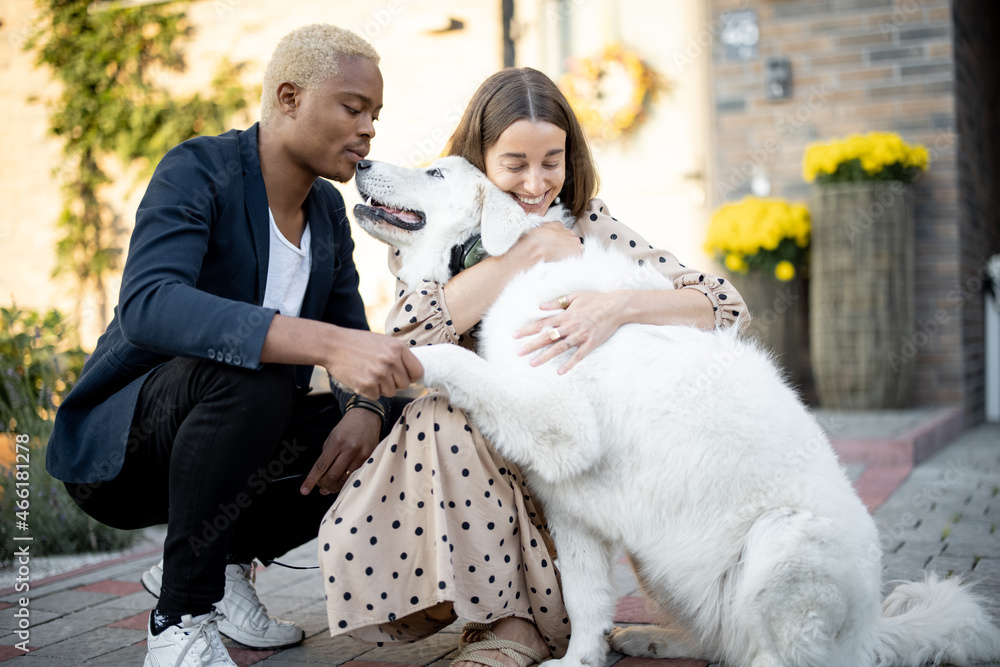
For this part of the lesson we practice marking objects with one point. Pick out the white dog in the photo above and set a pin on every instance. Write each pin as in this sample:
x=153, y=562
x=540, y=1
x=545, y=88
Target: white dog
x=684, y=448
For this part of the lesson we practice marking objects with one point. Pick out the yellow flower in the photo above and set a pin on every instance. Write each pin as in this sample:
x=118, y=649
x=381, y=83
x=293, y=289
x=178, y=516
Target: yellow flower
x=784, y=271
x=876, y=151
x=755, y=232
x=736, y=263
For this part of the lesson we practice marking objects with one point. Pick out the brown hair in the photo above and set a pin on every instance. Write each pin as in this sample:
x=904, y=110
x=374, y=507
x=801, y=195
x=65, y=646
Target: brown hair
x=515, y=94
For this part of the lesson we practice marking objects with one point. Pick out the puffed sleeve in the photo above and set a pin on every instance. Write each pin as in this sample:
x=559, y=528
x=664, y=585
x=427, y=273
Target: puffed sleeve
x=596, y=223
x=420, y=316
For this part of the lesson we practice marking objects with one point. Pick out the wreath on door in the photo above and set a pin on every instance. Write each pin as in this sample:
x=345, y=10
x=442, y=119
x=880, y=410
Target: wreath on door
x=611, y=91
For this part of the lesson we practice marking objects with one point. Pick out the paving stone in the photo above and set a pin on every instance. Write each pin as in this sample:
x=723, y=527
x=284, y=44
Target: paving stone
x=421, y=652
x=277, y=580
x=9, y=622
x=11, y=652
x=446, y=660
x=310, y=589
x=323, y=650
x=661, y=662
x=957, y=482
x=130, y=603
x=74, y=624
x=245, y=656
x=33, y=660
x=126, y=571
x=972, y=545
x=949, y=565
x=366, y=663
x=113, y=587
x=989, y=567
x=128, y=656
x=139, y=621
x=92, y=644
x=68, y=601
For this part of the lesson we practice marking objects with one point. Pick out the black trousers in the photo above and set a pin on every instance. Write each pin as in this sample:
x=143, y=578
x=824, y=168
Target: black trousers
x=218, y=454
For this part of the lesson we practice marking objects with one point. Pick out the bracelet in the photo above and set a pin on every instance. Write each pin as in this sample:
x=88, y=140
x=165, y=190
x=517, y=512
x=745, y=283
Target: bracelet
x=357, y=401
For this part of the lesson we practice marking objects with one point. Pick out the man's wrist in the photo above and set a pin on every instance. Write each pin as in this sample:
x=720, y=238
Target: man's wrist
x=358, y=401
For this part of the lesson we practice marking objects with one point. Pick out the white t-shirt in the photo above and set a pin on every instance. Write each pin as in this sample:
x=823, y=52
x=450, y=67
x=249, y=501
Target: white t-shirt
x=287, y=271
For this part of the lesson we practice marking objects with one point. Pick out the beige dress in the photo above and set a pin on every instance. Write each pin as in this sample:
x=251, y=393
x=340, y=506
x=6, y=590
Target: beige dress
x=436, y=517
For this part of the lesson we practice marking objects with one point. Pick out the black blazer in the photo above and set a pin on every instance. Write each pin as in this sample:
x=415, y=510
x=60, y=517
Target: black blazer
x=193, y=285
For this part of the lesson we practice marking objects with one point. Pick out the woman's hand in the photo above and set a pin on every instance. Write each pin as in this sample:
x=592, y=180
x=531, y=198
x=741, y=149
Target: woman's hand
x=591, y=317
x=548, y=243
x=470, y=293
x=588, y=320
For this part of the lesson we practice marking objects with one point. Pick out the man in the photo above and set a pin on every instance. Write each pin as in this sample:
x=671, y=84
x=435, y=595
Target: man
x=193, y=408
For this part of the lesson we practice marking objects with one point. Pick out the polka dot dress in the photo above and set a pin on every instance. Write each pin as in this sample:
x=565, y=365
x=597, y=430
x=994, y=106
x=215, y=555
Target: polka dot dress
x=437, y=522
x=436, y=518
x=420, y=316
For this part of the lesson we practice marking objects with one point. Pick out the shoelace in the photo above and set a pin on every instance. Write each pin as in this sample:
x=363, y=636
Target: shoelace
x=196, y=631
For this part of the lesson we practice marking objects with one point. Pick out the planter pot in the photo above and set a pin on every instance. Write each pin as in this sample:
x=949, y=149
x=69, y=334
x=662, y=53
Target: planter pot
x=778, y=312
x=861, y=294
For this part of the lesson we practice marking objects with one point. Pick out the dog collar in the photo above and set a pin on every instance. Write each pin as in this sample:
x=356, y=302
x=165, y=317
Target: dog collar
x=467, y=254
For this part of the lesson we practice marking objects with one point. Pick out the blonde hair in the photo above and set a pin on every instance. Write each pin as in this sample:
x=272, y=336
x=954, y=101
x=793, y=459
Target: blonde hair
x=307, y=57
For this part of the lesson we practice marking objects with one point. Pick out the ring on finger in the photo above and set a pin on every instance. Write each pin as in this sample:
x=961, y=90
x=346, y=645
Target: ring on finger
x=554, y=334
x=563, y=302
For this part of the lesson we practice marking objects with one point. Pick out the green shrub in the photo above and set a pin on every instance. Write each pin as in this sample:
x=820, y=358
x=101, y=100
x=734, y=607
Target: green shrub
x=40, y=360
x=55, y=523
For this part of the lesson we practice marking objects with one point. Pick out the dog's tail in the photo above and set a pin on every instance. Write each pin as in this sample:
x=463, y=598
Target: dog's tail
x=935, y=620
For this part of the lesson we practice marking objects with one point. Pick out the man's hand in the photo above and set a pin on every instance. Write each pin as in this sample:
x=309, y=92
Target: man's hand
x=348, y=446
x=371, y=364
x=365, y=363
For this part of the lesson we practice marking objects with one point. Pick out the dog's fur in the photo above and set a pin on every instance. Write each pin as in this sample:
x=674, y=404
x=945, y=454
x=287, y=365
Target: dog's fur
x=684, y=448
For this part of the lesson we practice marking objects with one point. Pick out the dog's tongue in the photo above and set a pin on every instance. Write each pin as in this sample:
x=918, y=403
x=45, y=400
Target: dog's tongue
x=405, y=216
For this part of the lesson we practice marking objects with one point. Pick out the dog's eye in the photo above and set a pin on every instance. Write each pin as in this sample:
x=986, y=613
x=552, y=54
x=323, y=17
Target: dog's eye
x=435, y=173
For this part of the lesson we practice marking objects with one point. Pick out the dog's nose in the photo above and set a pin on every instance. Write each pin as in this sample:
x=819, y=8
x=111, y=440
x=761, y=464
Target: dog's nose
x=363, y=164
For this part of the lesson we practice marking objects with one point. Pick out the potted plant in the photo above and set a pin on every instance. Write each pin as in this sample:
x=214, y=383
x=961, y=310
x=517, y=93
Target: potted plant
x=861, y=275
x=763, y=244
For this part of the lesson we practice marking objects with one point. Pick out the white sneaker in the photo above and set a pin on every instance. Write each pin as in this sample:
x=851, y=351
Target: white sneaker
x=243, y=617
x=194, y=642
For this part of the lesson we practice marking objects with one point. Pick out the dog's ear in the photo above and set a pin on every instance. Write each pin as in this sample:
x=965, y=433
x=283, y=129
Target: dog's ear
x=502, y=221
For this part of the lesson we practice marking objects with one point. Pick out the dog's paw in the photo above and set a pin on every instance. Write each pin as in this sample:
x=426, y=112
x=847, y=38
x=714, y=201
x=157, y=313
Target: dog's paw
x=440, y=362
x=641, y=641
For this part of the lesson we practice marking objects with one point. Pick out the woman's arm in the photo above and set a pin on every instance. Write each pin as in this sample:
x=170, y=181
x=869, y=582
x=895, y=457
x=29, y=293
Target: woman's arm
x=473, y=291
x=430, y=312
x=701, y=300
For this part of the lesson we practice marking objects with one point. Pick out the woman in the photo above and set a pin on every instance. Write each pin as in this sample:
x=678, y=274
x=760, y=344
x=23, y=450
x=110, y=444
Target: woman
x=437, y=525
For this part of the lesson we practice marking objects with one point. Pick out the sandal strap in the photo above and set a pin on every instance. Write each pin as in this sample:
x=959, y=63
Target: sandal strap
x=479, y=659
x=474, y=631
x=475, y=625
x=513, y=650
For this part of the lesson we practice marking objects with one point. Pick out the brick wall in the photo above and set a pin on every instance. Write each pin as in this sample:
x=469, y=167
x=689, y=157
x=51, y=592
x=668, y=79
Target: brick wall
x=977, y=87
x=857, y=66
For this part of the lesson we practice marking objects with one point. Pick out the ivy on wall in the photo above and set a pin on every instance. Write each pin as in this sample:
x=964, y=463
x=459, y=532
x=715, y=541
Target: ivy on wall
x=111, y=106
